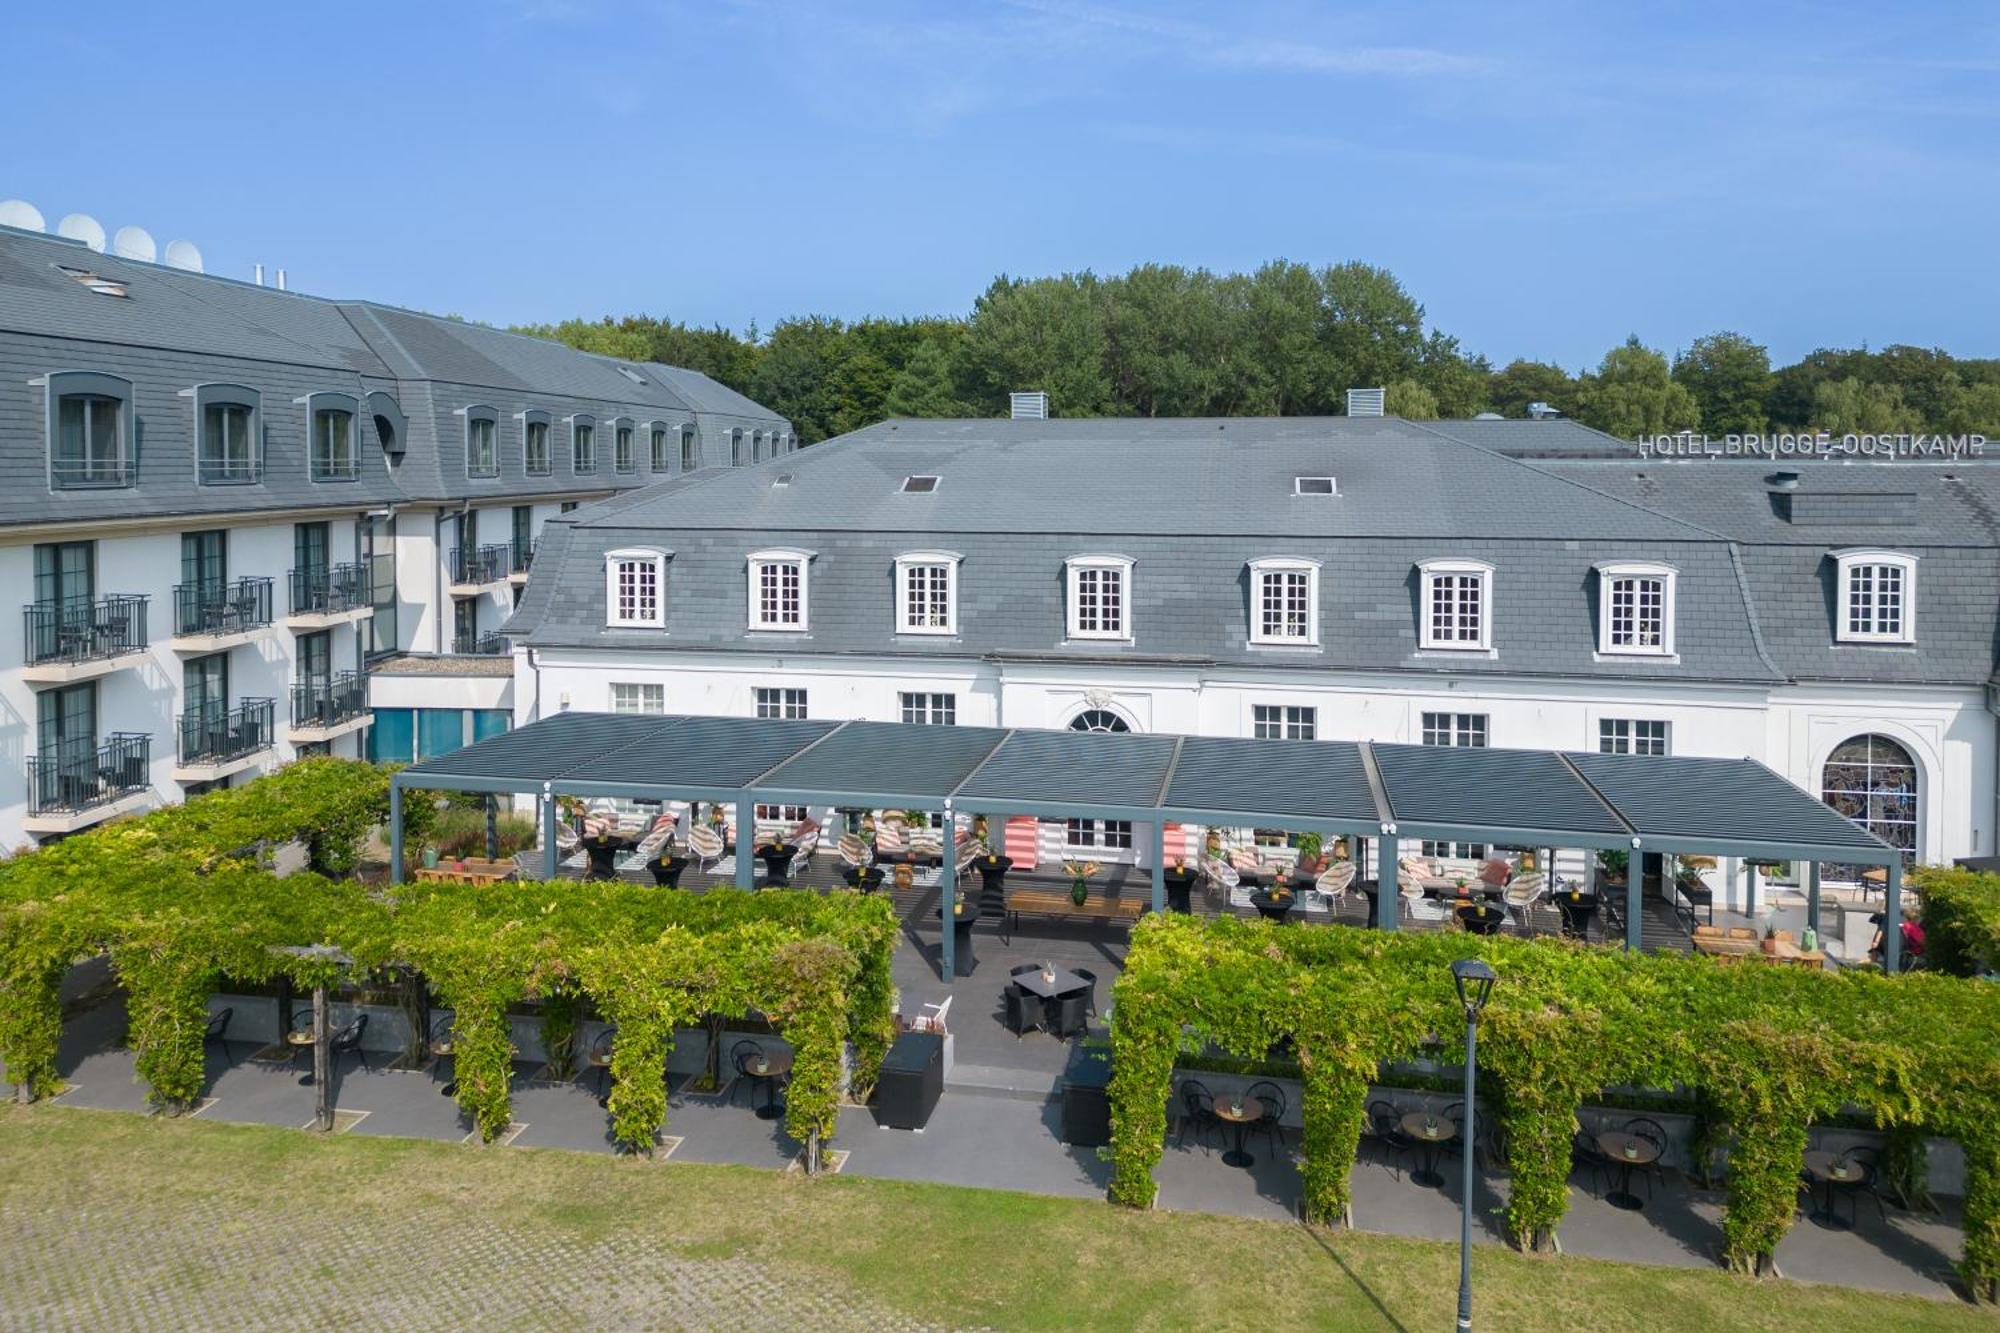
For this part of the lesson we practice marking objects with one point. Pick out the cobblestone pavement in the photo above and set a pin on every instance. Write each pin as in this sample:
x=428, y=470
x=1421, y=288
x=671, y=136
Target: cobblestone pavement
x=125, y=1264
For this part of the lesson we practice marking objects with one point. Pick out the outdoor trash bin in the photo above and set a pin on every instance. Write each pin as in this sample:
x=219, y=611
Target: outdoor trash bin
x=911, y=1081
x=1086, y=1102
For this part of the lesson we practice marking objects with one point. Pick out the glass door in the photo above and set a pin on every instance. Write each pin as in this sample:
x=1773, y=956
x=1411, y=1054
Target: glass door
x=66, y=745
x=205, y=719
x=65, y=587
x=376, y=539
x=204, y=580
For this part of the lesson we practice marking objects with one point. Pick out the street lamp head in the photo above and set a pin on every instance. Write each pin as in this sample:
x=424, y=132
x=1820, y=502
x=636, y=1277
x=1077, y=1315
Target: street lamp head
x=1474, y=980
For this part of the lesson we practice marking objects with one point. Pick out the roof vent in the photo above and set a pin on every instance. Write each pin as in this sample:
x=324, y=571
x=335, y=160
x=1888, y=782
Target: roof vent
x=97, y=282
x=919, y=485
x=1783, y=481
x=1313, y=486
x=631, y=374
x=782, y=479
x=1540, y=411
x=1364, y=402
x=1028, y=406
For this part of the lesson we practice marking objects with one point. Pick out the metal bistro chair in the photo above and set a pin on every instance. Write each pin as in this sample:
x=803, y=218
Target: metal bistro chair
x=1387, y=1128
x=741, y=1056
x=1651, y=1131
x=1273, y=1098
x=218, y=1029
x=599, y=1060
x=1585, y=1155
x=1870, y=1184
x=348, y=1039
x=1197, y=1113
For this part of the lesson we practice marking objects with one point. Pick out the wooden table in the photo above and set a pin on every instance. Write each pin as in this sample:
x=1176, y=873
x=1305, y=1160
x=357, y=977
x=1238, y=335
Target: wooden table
x=1828, y=1171
x=1626, y=1152
x=768, y=1069
x=1241, y=1113
x=473, y=872
x=1432, y=1131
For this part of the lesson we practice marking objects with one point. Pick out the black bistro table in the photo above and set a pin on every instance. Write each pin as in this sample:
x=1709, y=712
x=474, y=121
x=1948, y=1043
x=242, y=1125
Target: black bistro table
x=1274, y=904
x=964, y=913
x=768, y=1068
x=1239, y=1113
x=1180, y=889
x=865, y=878
x=1828, y=1172
x=1627, y=1152
x=1431, y=1132
x=1481, y=918
x=777, y=859
x=1577, y=909
x=603, y=850
x=667, y=870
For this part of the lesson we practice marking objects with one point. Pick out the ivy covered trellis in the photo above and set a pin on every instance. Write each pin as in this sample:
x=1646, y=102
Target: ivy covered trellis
x=1769, y=1049
x=180, y=902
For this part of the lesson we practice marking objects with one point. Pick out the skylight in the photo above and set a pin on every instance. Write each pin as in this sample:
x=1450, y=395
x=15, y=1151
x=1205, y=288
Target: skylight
x=782, y=479
x=631, y=374
x=919, y=485
x=1313, y=486
x=97, y=282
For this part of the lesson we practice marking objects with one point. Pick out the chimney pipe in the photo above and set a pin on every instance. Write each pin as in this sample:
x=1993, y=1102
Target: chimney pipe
x=281, y=280
x=260, y=275
x=1028, y=406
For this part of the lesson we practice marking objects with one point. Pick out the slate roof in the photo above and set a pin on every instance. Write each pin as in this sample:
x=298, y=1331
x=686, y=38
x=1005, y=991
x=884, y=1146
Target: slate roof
x=1192, y=501
x=176, y=329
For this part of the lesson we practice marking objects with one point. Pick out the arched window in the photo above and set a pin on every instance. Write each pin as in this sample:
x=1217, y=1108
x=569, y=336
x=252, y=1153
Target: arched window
x=1098, y=719
x=1873, y=781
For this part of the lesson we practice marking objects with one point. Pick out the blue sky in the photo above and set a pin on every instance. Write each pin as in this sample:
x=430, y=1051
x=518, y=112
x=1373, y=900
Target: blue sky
x=1545, y=178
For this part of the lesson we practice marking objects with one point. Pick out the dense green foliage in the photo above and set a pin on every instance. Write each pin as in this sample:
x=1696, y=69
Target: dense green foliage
x=1961, y=919
x=1770, y=1049
x=180, y=903
x=1285, y=340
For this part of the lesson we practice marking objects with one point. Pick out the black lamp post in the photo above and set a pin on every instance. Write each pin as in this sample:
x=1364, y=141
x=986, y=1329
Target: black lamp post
x=1474, y=980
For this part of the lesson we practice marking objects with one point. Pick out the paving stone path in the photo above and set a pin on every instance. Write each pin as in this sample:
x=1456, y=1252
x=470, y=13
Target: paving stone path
x=128, y=1264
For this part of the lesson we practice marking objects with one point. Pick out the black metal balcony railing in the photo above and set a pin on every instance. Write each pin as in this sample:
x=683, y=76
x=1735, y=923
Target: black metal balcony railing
x=329, y=589
x=222, y=608
x=77, y=777
x=480, y=564
x=83, y=631
x=491, y=643
x=222, y=470
x=218, y=735
x=328, y=701
x=524, y=556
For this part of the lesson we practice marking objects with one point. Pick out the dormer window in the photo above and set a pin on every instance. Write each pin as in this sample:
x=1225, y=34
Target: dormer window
x=690, y=455
x=658, y=458
x=229, y=435
x=778, y=591
x=1284, y=601
x=1878, y=597
x=635, y=588
x=624, y=457
x=90, y=430
x=583, y=444
x=1457, y=605
x=535, y=442
x=1635, y=610
x=482, y=442
x=330, y=419
x=1100, y=594
x=927, y=592
x=736, y=452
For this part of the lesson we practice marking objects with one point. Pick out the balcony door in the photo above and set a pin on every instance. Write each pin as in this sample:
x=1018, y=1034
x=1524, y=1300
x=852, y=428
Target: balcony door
x=376, y=539
x=205, y=561
x=205, y=692
x=65, y=587
x=315, y=661
x=66, y=726
x=311, y=551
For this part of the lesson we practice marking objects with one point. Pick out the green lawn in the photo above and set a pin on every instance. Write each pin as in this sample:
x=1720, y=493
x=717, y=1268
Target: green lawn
x=955, y=1256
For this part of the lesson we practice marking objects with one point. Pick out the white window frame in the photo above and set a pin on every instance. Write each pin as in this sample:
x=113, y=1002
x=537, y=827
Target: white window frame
x=1609, y=575
x=756, y=563
x=642, y=556
x=1288, y=721
x=1850, y=563
x=651, y=696
x=1432, y=572
x=938, y=708
x=1282, y=566
x=1078, y=565
x=1609, y=737
x=911, y=561
x=783, y=699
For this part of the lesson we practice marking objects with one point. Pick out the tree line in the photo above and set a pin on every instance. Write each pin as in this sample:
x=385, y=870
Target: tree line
x=1286, y=340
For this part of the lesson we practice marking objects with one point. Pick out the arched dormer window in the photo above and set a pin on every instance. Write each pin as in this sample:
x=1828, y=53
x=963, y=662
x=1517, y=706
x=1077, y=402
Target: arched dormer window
x=659, y=458
x=690, y=449
x=535, y=442
x=333, y=448
x=1457, y=606
x=92, y=433
x=1877, y=599
x=624, y=449
x=635, y=587
x=583, y=444
x=1635, y=609
x=482, y=441
x=228, y=433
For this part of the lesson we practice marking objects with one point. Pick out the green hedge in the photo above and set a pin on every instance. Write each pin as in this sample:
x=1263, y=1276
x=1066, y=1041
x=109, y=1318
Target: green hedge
x=1961, y=919
x=1769, y=1049
x=179, y=902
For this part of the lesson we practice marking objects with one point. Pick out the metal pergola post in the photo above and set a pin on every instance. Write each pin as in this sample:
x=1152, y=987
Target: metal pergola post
x=551, y=857
x=1635, y=883
x=1812, y=896
x=395, y=831
x=1892, y=918
x=948, y=900
x=1158, y=851
x=1386, y=893
x=746, y=842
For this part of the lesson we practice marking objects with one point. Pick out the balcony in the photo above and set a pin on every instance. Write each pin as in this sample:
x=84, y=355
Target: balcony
x=474, y=568
x=490, y=644
x=81, y=640
x=209, y=617
x=327, y=707
x=329, y=595
x=524, y=556
x=215, y=743
x=78, y=786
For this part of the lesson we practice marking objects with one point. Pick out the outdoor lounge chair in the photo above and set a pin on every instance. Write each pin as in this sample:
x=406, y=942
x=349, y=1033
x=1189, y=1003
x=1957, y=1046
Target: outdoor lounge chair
x=854, y=851
x=1521, y=894
x=653, y=843
x=1333, y=882
x=1412, y=869
x=890, y=843
x=706, y=844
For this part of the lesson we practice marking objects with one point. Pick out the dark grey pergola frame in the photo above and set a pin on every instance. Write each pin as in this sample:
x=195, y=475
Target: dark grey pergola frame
x=1535, y=798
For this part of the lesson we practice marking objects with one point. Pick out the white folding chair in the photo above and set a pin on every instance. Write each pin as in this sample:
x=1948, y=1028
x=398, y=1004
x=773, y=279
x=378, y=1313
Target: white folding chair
x=1333, y=882
x=1523, y=891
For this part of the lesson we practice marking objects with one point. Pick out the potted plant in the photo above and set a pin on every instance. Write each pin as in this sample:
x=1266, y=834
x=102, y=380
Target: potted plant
x=1079, y=872
x=1612, y=864
x=1310, y=846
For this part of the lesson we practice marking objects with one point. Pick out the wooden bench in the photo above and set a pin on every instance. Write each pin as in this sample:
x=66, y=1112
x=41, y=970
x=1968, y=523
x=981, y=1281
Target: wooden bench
x=468, y=870
x=1058, y=903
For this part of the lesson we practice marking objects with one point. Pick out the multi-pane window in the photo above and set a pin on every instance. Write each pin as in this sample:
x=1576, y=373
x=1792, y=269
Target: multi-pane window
x=1631, y=735
x=1284, y=722
x=535, y=448
x=582, y=446
x=228, y=444
x=1115, y=834
x=778, y=590
x=90, y=441
x=1636, y=608
x=1099, y=594
x=780, y=702
x=482, y=447
x=1876, y=603
x=1873, y=781
x=1455, y=729
x=638, y=697
x=622, y=459
x=934, y=709
x=926, y=588
x=1283, y=601
x=634, y=594
x=659, y=459
x=333, y=457
x=1455, y=610
x=688, y=452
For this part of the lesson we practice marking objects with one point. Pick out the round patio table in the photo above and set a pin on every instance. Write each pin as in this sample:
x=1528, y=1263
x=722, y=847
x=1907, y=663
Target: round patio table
x=867, y=879
x=1274, y=904
x=1828, y=1172
x=1627, y=1152
x=667, y=871
x=768, y=1068
x=1239, y=1114
x=777, y=859
x=1431, y=1131
x=1577, y=911
x=301, y=1039
x=1481, y=918
x=963, y=915
x=1180, y=888
x=993, y=870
